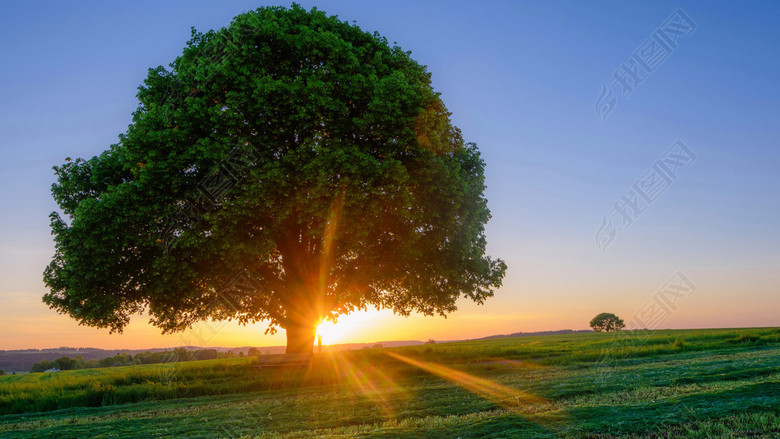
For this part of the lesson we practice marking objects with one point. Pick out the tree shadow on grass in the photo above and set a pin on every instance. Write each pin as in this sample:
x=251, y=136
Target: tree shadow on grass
x=124, y=428
x=676, y=411
x=507, y=425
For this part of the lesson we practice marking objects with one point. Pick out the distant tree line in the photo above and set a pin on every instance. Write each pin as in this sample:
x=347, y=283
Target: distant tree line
x=122, y=359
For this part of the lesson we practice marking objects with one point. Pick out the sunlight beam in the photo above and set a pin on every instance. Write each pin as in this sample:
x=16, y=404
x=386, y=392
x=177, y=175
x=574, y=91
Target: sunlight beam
x=504, y=396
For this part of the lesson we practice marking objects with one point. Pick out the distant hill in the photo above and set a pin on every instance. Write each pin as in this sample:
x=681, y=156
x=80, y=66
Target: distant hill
x=22, y=360
x=531, y=334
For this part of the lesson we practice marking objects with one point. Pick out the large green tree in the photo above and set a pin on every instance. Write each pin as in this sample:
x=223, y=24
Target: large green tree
x=288, y=168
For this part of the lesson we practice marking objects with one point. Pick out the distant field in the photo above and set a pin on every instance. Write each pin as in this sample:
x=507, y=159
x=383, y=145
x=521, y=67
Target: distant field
x=665, y=384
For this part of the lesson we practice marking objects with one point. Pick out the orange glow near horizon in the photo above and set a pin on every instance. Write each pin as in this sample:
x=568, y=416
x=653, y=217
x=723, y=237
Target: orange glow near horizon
x=29, y=324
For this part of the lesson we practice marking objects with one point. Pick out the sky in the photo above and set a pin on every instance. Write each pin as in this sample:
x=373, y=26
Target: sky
x=522, y=81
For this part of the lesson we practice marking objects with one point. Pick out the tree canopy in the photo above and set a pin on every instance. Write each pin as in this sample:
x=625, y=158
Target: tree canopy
x=287, y=168
x=607, y=322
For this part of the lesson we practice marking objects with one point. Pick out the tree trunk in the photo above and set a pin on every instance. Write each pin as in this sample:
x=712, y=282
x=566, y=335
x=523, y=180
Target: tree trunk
x=300, y=338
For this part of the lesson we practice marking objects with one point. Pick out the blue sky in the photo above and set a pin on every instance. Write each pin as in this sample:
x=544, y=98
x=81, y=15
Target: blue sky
x=521, y=79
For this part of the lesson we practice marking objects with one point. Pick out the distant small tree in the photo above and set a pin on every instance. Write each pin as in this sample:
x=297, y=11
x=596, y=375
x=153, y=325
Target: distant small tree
x=205, y=354
x=607, y=322
x=253, y=352
x=2, y=372
x=78, y=362
x=430, y=341
x=64, y=363
x=120, y=359
x=182, y=354
x=43, y=365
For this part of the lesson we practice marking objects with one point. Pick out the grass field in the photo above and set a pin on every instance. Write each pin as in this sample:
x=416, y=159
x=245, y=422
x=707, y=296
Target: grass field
x=664, y=384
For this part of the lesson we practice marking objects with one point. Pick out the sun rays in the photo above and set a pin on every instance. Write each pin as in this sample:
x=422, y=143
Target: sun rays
x=506, y=397
x=358, y=379
x=374, y=376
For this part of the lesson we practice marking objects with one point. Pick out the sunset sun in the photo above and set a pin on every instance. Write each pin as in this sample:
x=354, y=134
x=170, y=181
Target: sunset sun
x=327, y=330
x=332, y=333
x=351, y=328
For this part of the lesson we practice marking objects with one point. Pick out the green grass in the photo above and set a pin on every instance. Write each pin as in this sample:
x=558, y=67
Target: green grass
x=664, y=384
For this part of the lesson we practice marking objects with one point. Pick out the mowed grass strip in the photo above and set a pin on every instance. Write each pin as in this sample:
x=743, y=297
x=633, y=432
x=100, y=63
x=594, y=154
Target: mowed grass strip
x=696, y=382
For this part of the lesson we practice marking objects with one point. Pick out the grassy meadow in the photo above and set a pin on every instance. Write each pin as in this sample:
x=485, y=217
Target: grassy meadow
x=719, y=383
